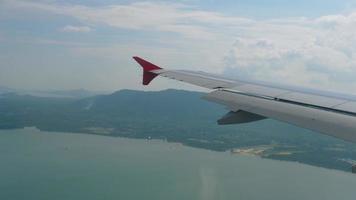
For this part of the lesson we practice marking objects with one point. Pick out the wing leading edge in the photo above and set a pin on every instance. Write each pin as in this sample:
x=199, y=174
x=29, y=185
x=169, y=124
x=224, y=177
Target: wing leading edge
x=325, y=112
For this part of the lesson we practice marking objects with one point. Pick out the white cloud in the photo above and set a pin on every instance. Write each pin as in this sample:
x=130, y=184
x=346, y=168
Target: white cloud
x=176, y=18
x=70, y=28
x=318, y=52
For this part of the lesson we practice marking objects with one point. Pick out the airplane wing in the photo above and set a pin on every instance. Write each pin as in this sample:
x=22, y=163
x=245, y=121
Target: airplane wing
x=325, y=112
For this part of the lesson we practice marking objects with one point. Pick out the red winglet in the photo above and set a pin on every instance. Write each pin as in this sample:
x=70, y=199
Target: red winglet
x=147, y=67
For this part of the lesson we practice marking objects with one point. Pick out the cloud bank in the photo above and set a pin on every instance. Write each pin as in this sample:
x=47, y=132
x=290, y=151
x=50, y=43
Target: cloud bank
x=318, y=52
x=70, y=28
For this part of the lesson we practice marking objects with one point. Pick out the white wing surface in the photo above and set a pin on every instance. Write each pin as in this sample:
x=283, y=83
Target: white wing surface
x=329, y=113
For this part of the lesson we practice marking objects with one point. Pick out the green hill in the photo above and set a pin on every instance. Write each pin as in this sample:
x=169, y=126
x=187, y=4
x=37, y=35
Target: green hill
x=176, y=116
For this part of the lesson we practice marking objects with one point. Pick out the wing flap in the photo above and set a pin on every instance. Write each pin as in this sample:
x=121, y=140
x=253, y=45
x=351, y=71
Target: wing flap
x=312, y=99
x=289, y=95
x=349, y=106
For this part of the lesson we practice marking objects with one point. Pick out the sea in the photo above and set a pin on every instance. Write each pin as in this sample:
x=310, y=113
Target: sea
x=36, y=165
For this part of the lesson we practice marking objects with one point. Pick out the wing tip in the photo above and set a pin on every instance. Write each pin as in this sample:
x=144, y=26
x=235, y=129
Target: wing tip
x=147, y=67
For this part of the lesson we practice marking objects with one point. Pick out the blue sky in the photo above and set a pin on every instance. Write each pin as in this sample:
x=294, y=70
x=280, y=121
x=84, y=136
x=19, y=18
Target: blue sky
x=88, y=44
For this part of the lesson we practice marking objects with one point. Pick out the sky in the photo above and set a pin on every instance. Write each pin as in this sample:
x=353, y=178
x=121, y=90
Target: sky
x=72, y=44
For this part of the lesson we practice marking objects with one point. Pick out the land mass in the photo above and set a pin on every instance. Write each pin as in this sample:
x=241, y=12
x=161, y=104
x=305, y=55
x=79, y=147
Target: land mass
x=175, y=116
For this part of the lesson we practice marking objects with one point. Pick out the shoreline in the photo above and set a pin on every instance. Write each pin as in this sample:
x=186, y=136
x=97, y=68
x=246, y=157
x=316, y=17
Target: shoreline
x=255, y=151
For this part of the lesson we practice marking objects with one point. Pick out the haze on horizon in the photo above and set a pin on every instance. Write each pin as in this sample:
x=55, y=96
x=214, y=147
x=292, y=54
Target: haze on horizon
x=58, y=44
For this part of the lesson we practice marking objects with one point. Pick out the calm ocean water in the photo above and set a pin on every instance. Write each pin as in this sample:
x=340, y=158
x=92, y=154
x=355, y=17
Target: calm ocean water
x=39, y=165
